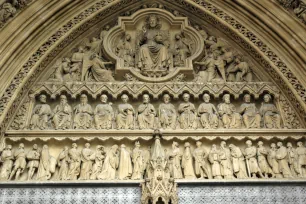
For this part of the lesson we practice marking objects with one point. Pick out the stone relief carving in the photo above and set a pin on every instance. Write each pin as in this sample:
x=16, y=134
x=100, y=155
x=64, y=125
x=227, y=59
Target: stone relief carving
x=185, y=115
x=87, y=64
x=10, y=8
x=30, y=163
x=227, y=111
x=269, y=113
x=104, y=114
x=296, y=7
x=205, y=5
x=167, y=114
x=41, y=114
x=126, y=114
x=146, y=114
x=62, y=114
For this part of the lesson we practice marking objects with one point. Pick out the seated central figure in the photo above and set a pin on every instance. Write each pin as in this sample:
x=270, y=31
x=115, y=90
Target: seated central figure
x=153, y=54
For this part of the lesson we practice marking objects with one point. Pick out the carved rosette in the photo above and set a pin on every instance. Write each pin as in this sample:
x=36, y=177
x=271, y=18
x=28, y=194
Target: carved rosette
x=162, y=41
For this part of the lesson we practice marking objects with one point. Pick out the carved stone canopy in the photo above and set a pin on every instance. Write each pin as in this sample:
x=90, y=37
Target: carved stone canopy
x=162, y=41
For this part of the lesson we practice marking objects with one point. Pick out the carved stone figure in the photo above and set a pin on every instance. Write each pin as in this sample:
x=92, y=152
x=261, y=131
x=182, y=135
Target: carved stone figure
x=147, y=167
x=182, y=50
x=269, y=113
x=187, y=111
x=200, y=165
x=225, y=161
x=187, y=163
x=214, y=159
x=167, y=113
x=238, y=162
x=104, y=32
x=281, y=157
x=251, y=161
x=33, y=157
x=126, y=113
x=83, y=114
x=240, y=72
x=46, y=163
x=41, y=114
x=7, y=11
x=74, y=162
x=175, y=157
x=209, y=69
x=153, y=56
x=62, y=114
x=95, y=46
x=96, y=70
x=227, y=111
x=292, y=159
x=99, y=160
x=208, y=113
x=110, y=165
x=301, y=160
x=262, y=161
x=7, y=162
x=87, y=158
x=250, y=115
x=20, y=162
x=273, y=161
x=64, y=71
x=125, y=164
x=124, y=50
x=77, y=60
x=202, y=32
x=146, y=113
x=104, y=114
x=63, y=164
x=138, y=162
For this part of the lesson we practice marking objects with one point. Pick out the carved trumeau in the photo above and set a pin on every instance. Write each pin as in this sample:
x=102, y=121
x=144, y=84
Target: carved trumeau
x=160, y=186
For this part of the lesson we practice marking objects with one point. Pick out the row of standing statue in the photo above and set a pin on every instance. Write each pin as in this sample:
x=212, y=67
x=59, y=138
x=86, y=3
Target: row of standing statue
x=119, y=163
x=146, y=117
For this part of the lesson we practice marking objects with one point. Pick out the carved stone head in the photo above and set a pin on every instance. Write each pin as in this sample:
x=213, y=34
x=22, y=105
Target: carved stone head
x=186, y=97
x=198, y=143
x=279, y=144
x=248, y=143
x=166, y=98
x=74, y=145
x=35, y=147
x=125, y=98
x=300, y=144
x=146, y=98
x=21, y=146
x=227, y=98
x=247, y=98
x=206, y=98
x=43, y=98
x=153, y=22
x=267, y=98
x=223, y=144
x=289, y=145
x=260, y=143
x=63, y=99
x=273, y=146
x=103, y=98
x=87, y=145
x=83, y=99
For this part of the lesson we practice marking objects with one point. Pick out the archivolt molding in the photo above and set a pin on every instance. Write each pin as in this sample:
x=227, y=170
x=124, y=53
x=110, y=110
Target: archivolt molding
x=43, y=56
